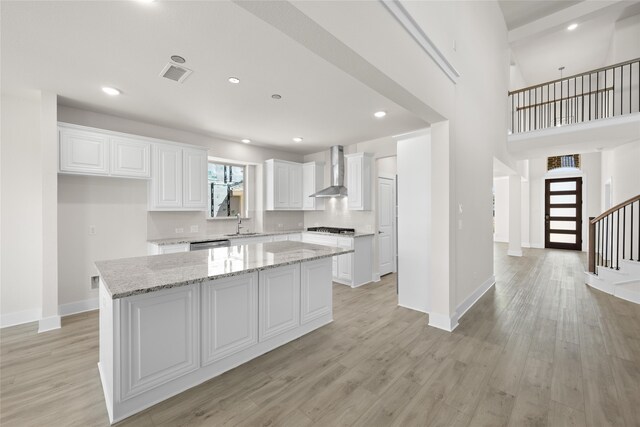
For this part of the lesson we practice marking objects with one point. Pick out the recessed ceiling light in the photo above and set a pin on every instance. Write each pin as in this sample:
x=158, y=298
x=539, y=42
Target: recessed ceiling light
x=380, y=114
x=246, y=141
x=572, y=27
x=110, y=91
x=179, y=59
x=234, y=80
x=276, y=96
x=297, y=139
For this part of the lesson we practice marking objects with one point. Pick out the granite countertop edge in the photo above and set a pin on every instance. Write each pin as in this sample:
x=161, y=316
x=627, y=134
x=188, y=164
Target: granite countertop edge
x=217, y=276
x=197, y=239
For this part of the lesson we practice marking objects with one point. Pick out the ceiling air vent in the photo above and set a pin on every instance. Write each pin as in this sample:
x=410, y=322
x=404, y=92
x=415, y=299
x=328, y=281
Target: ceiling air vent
x=175, y=72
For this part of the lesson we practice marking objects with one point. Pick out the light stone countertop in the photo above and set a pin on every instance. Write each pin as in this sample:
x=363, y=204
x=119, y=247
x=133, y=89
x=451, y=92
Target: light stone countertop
x=132, y=276
x=196, y=239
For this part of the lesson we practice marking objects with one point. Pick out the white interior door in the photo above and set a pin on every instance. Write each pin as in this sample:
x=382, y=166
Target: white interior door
x=386, y=229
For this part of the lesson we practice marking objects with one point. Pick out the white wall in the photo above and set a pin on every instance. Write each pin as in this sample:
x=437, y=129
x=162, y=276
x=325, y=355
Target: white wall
x=501, y=188
x=624, y=43
x=621, y=165
x=21, y=221
x=117, y=208
x=414, y=222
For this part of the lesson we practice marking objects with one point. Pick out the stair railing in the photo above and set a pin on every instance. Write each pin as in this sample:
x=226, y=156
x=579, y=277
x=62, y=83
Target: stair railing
x=597, y=94
x=615, y=236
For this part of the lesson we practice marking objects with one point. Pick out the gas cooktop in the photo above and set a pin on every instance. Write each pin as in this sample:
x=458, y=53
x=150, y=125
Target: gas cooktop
x=334, y=230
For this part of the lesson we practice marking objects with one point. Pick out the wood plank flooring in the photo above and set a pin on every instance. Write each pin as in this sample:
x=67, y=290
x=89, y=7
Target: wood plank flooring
x=540, y=349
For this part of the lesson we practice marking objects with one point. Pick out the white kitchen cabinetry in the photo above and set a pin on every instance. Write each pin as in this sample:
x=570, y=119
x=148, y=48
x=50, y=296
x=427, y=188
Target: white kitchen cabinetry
x=354, y=269
x=312, y=182
x=279, y=299
x=283, y=185
x=194, y=189
x=359, y=167
x=160, y=338
x=315, y=290
x=89, y=151
x=178, y=179
x=130, y=158
x=83, y=152
x=229, y=316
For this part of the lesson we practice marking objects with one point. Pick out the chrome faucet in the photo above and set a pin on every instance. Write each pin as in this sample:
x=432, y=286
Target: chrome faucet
x=238, y=227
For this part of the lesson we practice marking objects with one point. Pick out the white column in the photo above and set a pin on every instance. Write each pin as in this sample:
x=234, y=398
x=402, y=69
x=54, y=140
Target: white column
x=515, y=215
x=49, y=164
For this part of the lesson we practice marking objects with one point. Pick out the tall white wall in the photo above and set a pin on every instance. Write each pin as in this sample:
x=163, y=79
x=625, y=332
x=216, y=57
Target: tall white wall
x=501, y=189
x=624, y=43
x=21, y=221
x=414, y=222
x=621, y=165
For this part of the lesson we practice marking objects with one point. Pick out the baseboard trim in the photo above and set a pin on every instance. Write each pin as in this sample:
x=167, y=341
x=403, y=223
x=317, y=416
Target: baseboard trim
x=412, y=308
x=49, y=323
x=526, y=245
x=78, y=307
x=442, y=321
x=470, y=301
x=514, y=253
x=19, y=318
x=537, y=245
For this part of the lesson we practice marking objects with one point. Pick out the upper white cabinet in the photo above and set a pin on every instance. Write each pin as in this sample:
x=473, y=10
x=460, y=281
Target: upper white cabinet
x=359, y=166
x=89, y=151
x=283, y=185
x=194, y=178
x=83, y=152
x=130, y=158
x=178, y=179
x=312, y=181
x=165, y=187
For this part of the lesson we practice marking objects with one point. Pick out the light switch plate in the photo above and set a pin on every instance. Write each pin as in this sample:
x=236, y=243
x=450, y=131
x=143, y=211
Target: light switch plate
x=194, y=228
x=179, y=230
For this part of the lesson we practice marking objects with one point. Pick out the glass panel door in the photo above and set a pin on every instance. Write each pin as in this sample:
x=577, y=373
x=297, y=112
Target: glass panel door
x=563, y=213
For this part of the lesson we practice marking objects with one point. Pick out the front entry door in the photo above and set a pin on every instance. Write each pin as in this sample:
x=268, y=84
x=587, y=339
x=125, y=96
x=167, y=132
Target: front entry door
x=563, y=213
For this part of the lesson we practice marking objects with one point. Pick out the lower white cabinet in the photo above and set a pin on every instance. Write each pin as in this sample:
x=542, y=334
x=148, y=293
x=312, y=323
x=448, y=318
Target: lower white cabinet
x=229, y=316
x=279, y=297
x=160, y=338
x=315, y=290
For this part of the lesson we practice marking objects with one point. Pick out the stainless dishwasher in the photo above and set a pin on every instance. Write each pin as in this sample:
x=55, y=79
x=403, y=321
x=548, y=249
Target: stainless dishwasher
x=209, y=244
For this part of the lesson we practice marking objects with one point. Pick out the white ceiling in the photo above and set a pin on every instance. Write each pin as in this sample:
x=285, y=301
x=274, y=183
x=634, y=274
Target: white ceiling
x=74, y=48
x=520, y=12
x=539, y=55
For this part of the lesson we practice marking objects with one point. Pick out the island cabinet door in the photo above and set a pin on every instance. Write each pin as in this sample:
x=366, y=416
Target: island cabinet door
x=316, y=290
x=229, y=316
x=279, y=299
x=160, y=338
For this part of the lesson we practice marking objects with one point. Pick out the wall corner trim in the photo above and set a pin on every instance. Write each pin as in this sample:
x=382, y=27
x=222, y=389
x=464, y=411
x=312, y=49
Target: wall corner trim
x=444, y=322
x=49, y=323
x=405, y=19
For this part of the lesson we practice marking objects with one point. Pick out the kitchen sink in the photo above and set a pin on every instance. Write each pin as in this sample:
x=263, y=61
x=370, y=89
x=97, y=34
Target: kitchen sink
x=242, y=234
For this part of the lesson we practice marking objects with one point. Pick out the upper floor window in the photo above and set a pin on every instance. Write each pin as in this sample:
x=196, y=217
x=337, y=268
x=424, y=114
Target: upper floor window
x=227, y=192
x=571, y=161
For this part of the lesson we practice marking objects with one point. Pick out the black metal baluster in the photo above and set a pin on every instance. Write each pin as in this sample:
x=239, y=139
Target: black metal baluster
x=631, y=87
x=621, y=89
x=611, y=242
x=618, y=241
x=624, y=225
x=606, y=240
x=590, y=97
x=601, y=241
x=631, y=235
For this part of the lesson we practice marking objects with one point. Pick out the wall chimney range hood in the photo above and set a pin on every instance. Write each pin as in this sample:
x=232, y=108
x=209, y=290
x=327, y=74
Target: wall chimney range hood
x=337, y=188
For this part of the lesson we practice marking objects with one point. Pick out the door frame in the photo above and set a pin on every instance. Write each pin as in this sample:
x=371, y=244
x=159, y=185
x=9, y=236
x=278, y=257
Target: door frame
x=578, y=218
x=394, y=225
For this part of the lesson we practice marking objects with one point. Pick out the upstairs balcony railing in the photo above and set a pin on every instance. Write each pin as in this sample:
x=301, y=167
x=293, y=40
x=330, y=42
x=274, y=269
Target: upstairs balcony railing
x=606, y=92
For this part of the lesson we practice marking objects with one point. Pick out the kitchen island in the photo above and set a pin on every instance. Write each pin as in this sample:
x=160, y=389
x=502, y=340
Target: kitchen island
x=170, y=322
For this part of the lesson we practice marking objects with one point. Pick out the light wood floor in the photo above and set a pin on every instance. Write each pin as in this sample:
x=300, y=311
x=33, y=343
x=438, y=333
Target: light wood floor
x=539, y=349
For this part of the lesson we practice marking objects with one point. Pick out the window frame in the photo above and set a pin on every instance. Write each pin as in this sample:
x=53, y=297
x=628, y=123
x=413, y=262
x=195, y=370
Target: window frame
x=245, y=189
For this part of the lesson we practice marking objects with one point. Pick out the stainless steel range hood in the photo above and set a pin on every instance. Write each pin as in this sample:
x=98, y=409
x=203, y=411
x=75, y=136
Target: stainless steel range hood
x=337, y=188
